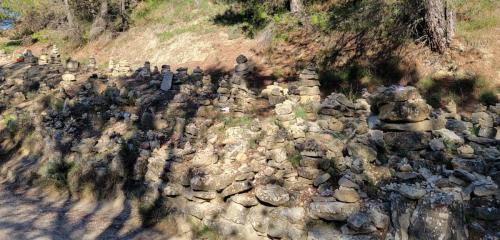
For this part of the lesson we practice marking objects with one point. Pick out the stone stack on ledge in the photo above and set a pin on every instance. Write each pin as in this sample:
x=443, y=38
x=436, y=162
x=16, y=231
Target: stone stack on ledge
x=404, y=116
x=309, y=86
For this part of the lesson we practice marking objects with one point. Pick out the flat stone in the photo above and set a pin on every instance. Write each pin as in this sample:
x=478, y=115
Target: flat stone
x=448, y=136
x=236, y=187
x=485, y=189
x=333, y=211
x=235, y=213
x=245, y=199
x=436, y=144
x=321, y=179
x=412, y=192
x=272, y=194
x=407, y=141
x=422, y=126
x=68, y=77
x=411, y=111
x=347, y=195
x=205, y=157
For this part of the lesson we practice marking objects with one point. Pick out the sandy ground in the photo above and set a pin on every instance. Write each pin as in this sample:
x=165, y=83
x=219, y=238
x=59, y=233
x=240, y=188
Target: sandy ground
x=37, y=215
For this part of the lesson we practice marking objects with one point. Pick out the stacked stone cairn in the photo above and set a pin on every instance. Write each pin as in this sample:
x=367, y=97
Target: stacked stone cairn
x=121, y=69
x=43, y=59
x=167, y=78
x=144, y=73
x=224, y=93
x=275, y=94
x=29, y=57
x=55, y=56
x=197, y=74
x=244, y=98
x=405, y=117
x=309, y=86
x=181, y=76
x=385, y=171
x=92, y=65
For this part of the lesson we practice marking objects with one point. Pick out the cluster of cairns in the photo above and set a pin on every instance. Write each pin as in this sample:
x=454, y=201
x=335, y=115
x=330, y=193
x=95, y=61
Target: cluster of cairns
x=384, y=166
x=234, y=91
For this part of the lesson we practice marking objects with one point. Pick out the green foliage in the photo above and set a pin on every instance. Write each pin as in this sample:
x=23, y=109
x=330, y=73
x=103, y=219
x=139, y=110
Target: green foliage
x=320, y=20
x=300, y=112
x=10, y=46
x=488, y=97
x=295, y=159
x=55, y=170
x=476, y=15
x=252, y=15
x=205, y=232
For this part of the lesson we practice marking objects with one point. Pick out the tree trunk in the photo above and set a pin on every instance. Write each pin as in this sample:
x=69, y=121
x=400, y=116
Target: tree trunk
x=296, y=6
x=73, y=31
x=440, y=21
x=100, y=23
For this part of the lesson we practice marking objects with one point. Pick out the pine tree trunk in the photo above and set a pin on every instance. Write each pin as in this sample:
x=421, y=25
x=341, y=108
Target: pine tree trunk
x=440, y=21
x=74, y=31
x=100, y=23
x=296, y=6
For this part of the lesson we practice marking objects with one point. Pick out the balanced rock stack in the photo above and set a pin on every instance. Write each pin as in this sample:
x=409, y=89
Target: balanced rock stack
x=181, y=76
x=223, y=92
x=197, y=74
x=275, y=94
x=122, y=69
x=29, y=57
x=168, y=77
x=43, y=59
x=242, y=69
x=285, y=113
x=92, y=65
x=309, y=86
x=405, y=115
x=144, y=73
x=55, y=56
x=72, y=66
x=337, y=111
x=242, y=95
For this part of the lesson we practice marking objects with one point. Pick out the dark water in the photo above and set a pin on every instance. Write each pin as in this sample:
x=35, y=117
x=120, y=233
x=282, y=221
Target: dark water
x=6, y=24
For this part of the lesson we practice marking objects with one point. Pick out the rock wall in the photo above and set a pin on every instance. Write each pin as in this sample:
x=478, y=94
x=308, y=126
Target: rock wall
x=385, y=166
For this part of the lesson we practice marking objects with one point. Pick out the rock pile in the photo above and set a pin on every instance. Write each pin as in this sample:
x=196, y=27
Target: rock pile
x=344, y=169
x=309, y=86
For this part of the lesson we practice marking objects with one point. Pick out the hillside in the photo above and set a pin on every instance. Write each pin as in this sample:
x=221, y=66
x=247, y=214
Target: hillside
x=277, y=125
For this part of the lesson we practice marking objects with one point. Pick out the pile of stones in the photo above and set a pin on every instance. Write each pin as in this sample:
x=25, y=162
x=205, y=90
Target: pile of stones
x=385, y=166
x=309, y=86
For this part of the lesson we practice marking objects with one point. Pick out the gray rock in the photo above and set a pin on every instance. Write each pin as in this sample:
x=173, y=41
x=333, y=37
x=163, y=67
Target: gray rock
x=448, y=136
x=407, y=141
x=412, y=192
x=272, y=194
x=236, y=213
x=236, y=187
x=438, y=216
x=436, y=144
x=245, y=199
x=321, y=179
x=205, y=157
x=336, y=211
x=347, y=195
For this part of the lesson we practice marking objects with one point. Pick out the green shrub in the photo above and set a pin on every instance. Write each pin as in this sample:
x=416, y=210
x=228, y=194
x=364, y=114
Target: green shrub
x=488, y=97
x=295, y=159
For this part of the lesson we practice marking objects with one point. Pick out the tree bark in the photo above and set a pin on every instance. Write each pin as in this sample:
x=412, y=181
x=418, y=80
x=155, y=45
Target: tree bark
x=74, y=30
x=296, y=6
x=440, y=21
x=100, y=23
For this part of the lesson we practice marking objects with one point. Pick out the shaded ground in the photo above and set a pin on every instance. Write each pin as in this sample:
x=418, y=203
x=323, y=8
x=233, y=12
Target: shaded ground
x=38, y=215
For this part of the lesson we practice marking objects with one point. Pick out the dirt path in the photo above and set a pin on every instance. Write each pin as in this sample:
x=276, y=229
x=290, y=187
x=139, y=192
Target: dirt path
x=34, y=215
